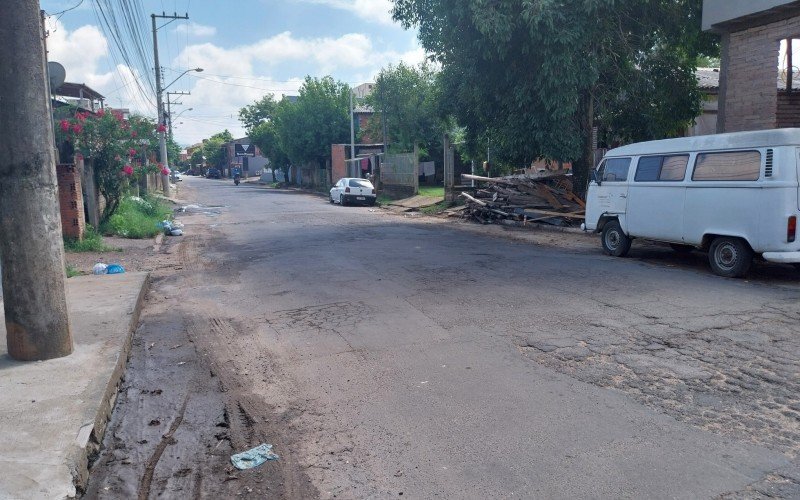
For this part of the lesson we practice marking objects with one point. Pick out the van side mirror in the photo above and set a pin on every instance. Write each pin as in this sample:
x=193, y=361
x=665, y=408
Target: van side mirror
x=594, y=177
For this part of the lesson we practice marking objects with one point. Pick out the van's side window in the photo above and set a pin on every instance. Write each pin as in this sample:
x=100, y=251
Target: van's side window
x=661, y=168
x=615, y=169
x=733, y=166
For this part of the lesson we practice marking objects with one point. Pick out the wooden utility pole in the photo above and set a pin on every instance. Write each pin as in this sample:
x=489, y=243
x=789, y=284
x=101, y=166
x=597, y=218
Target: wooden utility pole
x=31, y=245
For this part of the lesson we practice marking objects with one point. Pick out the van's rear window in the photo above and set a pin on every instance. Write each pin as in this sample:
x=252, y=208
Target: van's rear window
x=732, y=166
x=355, y=183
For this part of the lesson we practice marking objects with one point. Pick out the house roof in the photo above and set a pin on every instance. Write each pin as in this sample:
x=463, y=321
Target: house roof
x=78, y=91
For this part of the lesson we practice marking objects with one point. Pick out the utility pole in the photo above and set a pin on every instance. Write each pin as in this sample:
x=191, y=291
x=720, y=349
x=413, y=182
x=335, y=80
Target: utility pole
x=352, y=133
x=169, y=110
x=31, y=246
x=162, y=136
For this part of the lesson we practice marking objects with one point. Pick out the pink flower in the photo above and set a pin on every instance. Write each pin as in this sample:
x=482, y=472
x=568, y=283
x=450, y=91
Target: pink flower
x=77, y=128
x=161, y=128
x=133, y=133
x=64, y=126
x=101, y=112
x=117, y=115
x=81, y=116
x=131, y=152
x=127, y=170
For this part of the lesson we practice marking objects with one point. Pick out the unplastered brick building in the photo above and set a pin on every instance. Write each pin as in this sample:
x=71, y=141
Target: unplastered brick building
x=756, y=51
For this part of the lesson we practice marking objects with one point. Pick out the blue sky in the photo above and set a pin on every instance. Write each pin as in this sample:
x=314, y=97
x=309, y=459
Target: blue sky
x=247, y=48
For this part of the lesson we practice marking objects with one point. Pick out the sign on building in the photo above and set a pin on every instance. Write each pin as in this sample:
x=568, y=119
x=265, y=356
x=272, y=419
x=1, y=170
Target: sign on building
x=244, y=149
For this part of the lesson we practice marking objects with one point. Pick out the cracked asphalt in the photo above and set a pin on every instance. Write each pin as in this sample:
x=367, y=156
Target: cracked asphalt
x=389, y=355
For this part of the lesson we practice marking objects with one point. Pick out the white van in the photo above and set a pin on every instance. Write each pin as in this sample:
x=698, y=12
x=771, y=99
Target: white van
x=733, y=195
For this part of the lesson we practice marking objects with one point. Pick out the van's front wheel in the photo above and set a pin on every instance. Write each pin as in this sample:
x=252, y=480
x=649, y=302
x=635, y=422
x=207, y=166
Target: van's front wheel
x=730, y=257
x=615, y=241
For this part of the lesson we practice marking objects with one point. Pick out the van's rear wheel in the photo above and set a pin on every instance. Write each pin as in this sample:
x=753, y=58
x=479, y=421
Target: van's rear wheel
x=730, y=257
x=615, y=241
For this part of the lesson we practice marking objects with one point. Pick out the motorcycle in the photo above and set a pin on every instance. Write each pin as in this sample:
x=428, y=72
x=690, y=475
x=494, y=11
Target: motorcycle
x=236, y=179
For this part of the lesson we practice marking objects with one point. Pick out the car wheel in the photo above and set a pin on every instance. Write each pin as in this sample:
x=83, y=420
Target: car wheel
x=730, y=257
x=372, y=203
x=331, y=199
x=341, y=199
x=615, y=241
x=681, y=249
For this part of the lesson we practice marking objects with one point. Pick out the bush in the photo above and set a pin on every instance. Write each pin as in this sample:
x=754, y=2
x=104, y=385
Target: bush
x=92, y=242
x=137, y=218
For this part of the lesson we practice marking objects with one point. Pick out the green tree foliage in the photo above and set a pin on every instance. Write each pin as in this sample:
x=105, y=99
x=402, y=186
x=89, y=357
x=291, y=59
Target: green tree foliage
x=197, y=157
x=265, y=136
x=531, y=77
x=320, y=117
x=212, y=148
x=409, y=97
x=261, y=111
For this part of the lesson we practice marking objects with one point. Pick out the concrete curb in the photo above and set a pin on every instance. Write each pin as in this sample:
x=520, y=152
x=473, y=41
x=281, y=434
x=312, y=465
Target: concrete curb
x=90, y=436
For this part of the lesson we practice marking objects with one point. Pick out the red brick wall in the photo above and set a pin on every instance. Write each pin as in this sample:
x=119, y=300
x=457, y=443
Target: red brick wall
x=70, y=199
x=749, y=84
x=338, y=167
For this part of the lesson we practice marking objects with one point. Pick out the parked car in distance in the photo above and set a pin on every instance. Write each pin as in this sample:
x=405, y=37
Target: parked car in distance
x=175, y=176
x=213, y=173
x=733, y=195
x=353, y=190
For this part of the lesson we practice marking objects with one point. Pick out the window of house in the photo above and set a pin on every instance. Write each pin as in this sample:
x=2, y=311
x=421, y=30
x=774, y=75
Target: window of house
x=733, y=166
x=661, y=168
x=615, y=170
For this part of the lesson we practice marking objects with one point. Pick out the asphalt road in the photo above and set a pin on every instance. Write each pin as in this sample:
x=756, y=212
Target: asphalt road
x=386, y=356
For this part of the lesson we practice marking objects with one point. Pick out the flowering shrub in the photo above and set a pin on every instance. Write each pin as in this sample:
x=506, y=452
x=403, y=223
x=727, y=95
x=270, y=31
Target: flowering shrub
x=112, y=144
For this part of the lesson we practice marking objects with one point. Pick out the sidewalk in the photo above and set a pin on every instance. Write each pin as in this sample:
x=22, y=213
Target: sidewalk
x=53, y=413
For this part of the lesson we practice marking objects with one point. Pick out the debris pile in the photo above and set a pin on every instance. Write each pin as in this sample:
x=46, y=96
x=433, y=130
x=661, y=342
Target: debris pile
x=546, y=198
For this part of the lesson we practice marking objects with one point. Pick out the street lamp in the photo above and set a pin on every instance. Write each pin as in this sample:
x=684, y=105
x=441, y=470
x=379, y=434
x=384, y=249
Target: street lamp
x=196, y=70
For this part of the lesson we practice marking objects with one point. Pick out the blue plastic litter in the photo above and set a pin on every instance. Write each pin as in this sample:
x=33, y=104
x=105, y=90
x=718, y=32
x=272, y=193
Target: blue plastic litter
x=115, y=269
x=253, y=458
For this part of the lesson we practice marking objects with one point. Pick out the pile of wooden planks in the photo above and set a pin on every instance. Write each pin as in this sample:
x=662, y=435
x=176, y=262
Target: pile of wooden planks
x=546, y=198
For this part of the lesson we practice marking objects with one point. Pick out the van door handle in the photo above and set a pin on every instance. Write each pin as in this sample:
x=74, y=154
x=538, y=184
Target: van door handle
x=623, y=196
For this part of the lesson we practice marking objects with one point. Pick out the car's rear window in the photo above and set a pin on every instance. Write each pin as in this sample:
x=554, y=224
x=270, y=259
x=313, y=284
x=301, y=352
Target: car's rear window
x=360, y=183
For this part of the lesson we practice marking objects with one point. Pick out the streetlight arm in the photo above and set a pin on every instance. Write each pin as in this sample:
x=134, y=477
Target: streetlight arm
x=198, y=70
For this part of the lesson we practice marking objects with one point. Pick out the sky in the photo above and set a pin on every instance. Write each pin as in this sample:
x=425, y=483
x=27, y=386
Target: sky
x=246, y=48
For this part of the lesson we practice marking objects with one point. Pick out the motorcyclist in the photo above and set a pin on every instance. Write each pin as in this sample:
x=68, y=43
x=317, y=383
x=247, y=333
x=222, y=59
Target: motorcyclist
x=237, y=175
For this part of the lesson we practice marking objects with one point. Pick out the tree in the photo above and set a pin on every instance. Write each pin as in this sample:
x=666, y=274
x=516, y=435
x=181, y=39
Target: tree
x=113, y=145
x=197, y=157
x=261, y=111
x=408, y=97
x=531, y=78
x=320, y=117
x=212, y=148
x=265, y=136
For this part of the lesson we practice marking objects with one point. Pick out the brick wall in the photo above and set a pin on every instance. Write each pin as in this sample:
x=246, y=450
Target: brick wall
x=70, y=199
x=788, y=109
x=338, y=157
x=749, y=86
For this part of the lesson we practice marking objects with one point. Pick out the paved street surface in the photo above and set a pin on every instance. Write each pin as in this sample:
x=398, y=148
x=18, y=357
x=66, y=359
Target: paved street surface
x=385, y=355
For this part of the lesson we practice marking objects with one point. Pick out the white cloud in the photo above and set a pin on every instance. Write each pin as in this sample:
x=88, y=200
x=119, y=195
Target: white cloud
x=79, y=51
x=196, y=30
x=379, y=11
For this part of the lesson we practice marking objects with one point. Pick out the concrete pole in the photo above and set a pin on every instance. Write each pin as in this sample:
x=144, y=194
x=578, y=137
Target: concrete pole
x=162, y=136
x=352, y=129
x=31, y=246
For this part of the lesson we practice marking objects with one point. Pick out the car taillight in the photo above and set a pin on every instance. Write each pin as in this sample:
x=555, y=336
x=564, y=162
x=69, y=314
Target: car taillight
x=791, y=229
x=347, y=190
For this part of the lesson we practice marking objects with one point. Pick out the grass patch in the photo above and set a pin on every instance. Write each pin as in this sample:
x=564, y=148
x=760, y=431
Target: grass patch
x=437, y=208
x=137, y=218
x=382, y=199
x=72, y=271
x=433, y=191
x=92, y=242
